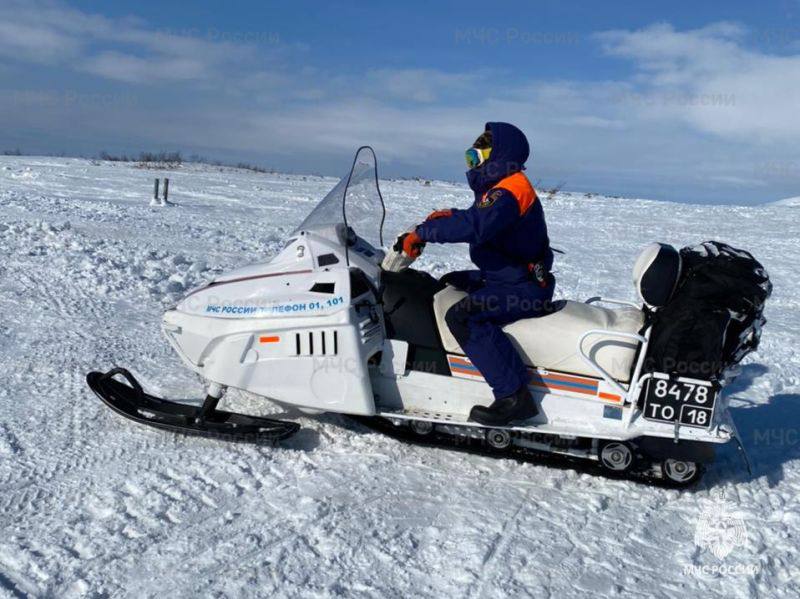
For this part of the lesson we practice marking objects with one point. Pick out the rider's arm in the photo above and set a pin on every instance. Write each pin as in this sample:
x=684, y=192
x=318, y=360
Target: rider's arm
x=479, y=223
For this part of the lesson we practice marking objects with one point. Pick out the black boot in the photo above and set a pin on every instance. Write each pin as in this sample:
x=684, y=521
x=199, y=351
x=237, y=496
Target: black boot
x=507, y=410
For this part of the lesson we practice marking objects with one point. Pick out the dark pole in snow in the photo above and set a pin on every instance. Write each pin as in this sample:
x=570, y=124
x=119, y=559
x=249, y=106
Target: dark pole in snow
x=155, y=192
x=166, y=189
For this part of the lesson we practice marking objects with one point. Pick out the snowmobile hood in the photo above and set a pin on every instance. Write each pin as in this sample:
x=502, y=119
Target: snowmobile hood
x=510, y=150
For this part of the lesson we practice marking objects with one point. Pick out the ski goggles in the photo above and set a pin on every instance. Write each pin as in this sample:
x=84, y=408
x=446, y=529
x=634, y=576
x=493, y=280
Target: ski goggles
x=477, y=156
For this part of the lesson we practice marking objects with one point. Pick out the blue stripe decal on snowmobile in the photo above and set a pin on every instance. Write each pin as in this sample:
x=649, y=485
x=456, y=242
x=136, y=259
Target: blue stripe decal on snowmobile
x=569, y=384
x=549, y=382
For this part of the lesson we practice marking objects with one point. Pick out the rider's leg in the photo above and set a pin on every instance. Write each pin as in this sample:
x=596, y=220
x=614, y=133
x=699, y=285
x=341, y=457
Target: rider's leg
x=466, y=280
x=477, y=323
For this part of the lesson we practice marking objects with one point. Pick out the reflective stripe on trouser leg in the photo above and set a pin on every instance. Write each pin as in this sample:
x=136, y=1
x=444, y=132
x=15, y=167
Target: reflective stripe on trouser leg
x=486, y=345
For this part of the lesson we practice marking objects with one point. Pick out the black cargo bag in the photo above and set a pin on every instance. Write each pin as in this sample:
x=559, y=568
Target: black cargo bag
x=715, y=315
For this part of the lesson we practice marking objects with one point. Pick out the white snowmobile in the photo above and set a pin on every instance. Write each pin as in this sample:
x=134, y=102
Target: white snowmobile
x=323, y=326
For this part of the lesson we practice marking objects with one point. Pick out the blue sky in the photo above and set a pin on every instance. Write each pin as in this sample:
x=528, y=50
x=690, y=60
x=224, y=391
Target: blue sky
x=671, y=100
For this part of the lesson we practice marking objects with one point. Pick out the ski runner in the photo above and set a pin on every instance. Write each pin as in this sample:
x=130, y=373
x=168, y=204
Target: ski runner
x=508, y=242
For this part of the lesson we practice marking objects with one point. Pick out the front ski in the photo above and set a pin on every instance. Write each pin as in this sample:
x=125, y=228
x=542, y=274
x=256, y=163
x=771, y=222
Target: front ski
x=130, y=401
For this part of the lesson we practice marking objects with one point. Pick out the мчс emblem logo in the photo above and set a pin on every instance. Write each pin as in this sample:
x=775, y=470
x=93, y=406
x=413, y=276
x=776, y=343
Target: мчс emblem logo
x=490, y=198
x=720, y=531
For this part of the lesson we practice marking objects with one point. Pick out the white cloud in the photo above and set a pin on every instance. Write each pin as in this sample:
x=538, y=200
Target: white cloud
x=702, y=111
x=710, y=80
x=35, y=43
x=419, y=85
x=133, y=69
x=51, y=33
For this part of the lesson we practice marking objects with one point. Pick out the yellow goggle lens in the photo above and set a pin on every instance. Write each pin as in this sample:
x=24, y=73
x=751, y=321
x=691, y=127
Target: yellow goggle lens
x=477, y=156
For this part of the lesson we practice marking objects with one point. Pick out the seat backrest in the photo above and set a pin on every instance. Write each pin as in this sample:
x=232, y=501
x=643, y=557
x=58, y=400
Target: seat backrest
x=656, y=273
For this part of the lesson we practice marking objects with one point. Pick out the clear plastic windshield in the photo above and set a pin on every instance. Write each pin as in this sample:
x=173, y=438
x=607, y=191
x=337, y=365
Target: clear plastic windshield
x=355, y=201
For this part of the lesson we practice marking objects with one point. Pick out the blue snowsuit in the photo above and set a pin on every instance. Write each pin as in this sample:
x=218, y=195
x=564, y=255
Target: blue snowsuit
x=508, y=242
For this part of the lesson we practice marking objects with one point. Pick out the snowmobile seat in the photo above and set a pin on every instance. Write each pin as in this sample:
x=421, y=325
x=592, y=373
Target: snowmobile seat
x=551, y=341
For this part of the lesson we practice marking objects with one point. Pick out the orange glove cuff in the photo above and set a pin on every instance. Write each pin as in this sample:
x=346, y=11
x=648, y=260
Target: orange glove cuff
x=439, y=214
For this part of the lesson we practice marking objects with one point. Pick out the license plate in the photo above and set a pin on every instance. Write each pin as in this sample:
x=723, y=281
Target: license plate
x=675, y=400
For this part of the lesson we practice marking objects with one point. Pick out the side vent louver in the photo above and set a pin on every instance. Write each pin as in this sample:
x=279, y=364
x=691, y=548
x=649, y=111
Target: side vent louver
x=323, y=288
x=327, y=260
x=316, y=343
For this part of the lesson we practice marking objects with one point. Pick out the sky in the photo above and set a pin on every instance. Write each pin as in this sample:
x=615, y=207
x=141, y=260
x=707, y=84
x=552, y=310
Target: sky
x=684, y=101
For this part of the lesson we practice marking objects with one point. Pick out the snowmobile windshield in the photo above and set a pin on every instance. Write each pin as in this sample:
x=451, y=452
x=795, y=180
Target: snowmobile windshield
x=355, y=201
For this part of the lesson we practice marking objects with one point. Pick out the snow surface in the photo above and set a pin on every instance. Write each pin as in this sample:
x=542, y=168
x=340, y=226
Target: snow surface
x=795, y=201
x=93, y=505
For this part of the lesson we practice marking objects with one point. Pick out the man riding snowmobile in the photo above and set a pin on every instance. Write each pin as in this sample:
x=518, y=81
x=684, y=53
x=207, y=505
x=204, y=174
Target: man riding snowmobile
x=508, y=242
x=614, y=384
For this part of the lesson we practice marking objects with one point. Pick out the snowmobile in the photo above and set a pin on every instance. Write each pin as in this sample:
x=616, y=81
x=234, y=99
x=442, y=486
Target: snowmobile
x=336, y=323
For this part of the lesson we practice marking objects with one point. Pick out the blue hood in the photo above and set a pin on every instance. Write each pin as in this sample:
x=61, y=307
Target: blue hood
x=510, y=150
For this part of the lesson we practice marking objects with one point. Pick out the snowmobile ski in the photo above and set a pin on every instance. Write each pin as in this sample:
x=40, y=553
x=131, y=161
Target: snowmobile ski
x=130, y=401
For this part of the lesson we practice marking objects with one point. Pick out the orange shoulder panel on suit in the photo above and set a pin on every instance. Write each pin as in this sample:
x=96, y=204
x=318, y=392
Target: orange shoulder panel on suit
x=521, y=189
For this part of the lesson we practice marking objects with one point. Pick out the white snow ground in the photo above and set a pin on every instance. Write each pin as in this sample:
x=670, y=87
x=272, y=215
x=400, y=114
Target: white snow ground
x=93, y=505
x=794, y=202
